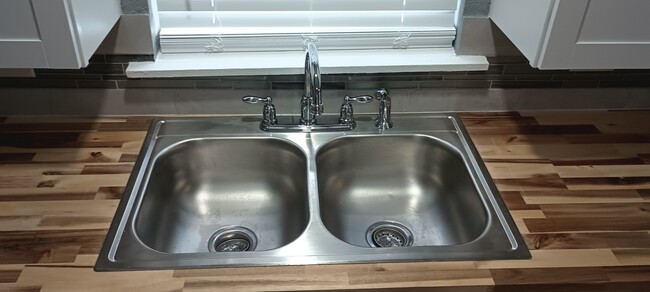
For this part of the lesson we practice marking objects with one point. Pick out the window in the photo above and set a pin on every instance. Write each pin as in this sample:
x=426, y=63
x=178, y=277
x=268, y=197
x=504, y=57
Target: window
x=267, y=37
x=214, y=26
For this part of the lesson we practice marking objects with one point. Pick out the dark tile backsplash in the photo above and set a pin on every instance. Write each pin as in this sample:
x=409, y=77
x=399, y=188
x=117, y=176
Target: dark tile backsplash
x=107, y=71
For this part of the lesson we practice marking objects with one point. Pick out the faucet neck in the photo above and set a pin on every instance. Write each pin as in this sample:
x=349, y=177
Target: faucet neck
x=312, y=102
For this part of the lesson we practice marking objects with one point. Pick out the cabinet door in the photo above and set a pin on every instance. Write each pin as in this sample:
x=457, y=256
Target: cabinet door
x=598, y=34
x=53, y=33
x=525, y=22
x=19, y=36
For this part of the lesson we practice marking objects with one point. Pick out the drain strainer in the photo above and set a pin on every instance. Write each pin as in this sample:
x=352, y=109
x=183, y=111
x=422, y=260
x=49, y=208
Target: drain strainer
x=389, y=234
x=231, y=239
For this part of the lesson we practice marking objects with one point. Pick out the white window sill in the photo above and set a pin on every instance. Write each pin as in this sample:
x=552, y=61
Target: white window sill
x=293, y=62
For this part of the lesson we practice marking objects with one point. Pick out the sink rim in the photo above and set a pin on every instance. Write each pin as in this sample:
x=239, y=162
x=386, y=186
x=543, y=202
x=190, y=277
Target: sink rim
x=443, y=142
x=118, y=244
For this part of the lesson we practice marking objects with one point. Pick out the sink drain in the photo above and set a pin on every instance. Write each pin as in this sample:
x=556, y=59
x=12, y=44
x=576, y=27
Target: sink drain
x=232, y=239
x=389, y=234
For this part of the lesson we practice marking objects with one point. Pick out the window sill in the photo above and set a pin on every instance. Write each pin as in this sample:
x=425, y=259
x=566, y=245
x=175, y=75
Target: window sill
x=289, y=63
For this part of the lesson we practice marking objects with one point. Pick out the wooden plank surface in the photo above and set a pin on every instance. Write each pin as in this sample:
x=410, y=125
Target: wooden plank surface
x=576, y=183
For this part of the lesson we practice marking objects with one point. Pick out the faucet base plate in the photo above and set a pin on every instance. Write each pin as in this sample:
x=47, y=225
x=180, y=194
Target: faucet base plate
x=326, y=123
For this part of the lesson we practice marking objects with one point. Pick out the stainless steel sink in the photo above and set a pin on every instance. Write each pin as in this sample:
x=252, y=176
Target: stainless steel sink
x=199, y=187
x=212, y=192
x=418, y=182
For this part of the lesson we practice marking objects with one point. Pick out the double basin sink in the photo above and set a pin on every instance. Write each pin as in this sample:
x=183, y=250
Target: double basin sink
x=210, y=192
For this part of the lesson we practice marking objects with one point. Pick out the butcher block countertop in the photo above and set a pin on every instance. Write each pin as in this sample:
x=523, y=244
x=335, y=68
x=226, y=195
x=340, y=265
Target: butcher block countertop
x=576, y=183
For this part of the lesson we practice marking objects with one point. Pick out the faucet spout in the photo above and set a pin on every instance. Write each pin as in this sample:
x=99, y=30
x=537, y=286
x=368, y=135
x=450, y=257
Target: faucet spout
x=312, y=101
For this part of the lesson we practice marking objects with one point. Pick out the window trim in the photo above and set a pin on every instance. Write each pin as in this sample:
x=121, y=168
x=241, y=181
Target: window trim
x=292, y=62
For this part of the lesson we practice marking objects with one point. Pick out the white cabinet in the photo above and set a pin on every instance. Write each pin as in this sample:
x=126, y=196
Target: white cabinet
x=53, y=33
x=578, y=34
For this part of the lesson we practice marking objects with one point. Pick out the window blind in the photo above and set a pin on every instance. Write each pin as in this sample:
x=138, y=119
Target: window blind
x=213, y=26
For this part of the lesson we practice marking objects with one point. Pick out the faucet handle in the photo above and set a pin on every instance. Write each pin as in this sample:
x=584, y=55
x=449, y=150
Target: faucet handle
x=347, y=113
x=269, y=117
x=359, y=99
x=257, y=99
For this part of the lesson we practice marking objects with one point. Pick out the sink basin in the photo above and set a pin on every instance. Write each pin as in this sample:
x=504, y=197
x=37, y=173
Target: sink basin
x=218, y=192
x=201, y=186
x=416, y=181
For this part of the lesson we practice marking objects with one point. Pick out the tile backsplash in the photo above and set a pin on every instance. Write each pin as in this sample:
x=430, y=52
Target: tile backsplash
x=107, y=72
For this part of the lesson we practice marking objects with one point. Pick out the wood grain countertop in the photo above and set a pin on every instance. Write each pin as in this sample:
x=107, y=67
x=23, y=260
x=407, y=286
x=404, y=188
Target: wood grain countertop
x=577, y=184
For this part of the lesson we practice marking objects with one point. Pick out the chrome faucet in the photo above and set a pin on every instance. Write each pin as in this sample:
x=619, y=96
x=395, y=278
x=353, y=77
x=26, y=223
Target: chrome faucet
x=311, y=104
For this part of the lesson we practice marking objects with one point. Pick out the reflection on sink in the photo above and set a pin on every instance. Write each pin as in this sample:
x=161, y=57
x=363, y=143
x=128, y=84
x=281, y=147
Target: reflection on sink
x=414, y=180
x=201, y=186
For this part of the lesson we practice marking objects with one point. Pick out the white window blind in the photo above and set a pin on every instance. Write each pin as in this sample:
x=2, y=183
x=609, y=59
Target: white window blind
x=213, y=26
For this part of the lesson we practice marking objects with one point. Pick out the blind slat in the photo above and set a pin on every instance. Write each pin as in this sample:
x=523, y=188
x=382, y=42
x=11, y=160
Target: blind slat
x=288, y=42
x=354, y=20
x=304, y=5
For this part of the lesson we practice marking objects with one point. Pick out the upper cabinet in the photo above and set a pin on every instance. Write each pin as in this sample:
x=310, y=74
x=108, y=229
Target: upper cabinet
x=53, y=33
x=577, y=34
